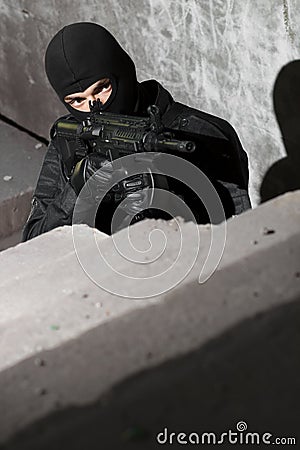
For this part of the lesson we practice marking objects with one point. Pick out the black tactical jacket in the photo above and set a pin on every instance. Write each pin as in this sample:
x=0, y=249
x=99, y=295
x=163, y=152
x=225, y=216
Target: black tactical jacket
x=219, y=155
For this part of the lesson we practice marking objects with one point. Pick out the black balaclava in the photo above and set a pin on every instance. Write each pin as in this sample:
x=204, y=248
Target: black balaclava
x=81, y=54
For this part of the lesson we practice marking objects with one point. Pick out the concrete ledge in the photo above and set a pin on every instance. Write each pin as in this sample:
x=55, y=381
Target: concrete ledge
x=14, y=212
x=21, y=158
x=238, y=332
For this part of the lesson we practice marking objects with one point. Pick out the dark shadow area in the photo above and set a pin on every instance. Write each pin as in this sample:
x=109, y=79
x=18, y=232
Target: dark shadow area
x=283, y=176
x=250, y=374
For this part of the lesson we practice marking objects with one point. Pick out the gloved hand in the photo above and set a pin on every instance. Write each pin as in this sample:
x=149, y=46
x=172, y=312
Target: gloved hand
x=136, y=202
x=88, y=167
x=132, y=208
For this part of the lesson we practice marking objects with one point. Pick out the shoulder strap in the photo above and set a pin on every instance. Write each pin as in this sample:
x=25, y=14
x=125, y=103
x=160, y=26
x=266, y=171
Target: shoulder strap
x=173, y=112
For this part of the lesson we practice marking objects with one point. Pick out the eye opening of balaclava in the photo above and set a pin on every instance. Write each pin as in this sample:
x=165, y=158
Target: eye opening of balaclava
x=81, y=54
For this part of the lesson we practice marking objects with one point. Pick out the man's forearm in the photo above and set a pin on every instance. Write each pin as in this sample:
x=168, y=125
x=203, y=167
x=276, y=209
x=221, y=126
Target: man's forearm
x=45, y=218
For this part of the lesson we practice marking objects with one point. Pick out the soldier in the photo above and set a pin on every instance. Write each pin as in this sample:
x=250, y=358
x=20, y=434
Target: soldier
x=84, y=63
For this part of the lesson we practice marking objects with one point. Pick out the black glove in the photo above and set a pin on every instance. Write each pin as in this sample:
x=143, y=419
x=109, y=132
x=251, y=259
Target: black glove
x=87, y=168
x=136, y=202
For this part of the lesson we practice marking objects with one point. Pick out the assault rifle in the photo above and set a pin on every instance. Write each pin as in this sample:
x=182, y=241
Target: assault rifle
x=116, y=135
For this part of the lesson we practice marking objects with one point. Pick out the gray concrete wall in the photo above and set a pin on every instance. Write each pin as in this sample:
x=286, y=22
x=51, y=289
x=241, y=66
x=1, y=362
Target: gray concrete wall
x=21, y=157
x=219, y=56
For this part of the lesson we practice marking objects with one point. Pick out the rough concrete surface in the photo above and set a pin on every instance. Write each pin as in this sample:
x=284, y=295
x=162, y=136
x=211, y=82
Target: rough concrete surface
x=219, y=56
x=21, y=158
x=210, y=354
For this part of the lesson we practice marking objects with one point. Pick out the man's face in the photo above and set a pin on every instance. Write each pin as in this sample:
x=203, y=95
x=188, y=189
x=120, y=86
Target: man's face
x=100, y=90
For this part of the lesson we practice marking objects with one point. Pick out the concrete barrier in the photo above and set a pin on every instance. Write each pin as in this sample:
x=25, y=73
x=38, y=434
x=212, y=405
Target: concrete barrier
x=21, y=157
x=217, y=353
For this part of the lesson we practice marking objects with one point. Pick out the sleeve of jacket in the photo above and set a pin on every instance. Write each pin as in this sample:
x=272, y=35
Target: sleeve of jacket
x=54, y=198
x=240, y=152
x=237, y=189
x=233, y=180
x=239, y=192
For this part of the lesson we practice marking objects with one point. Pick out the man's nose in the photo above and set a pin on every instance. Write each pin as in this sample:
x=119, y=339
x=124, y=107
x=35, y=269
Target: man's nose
x=91, y=97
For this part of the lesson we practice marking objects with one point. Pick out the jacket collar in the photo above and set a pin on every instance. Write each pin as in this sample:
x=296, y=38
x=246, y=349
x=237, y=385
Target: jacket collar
x=151, y=92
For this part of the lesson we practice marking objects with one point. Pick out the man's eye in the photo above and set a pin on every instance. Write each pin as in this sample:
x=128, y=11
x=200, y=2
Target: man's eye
x=107, y=85
x=76, y=101
x=102, y=88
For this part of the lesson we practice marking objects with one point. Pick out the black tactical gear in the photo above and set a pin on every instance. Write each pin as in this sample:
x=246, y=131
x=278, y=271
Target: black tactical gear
x=78, y=56
x=88, y=167
x=219, y=155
